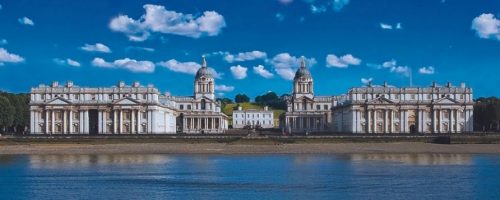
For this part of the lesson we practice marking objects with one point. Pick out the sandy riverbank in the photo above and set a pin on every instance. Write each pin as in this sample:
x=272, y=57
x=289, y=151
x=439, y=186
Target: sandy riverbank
x=221, y=148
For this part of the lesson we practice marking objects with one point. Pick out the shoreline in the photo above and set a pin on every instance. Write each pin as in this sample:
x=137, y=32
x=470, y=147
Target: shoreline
x=224, y=148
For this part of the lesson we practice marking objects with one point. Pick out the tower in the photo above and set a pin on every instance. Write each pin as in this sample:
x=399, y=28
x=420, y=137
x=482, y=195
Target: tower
x=204, y=82
x=303, y=82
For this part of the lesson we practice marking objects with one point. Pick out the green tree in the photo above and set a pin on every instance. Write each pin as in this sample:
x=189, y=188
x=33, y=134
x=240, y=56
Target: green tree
x=486, y=113
x=7, y=112
x=241, y=98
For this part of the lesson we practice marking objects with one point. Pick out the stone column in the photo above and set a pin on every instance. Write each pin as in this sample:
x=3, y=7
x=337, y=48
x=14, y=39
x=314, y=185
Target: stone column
x=120, y=121
x=115, y=117
x=434, y=121
x=52, y=124
x=99, y=121
x=71, y=130
x=386, y=121
x=368, y=121
x=65, y=121
x=46, y=121
x=86, y=124
x=104, y=121
x=139, y=121
x=132, y=123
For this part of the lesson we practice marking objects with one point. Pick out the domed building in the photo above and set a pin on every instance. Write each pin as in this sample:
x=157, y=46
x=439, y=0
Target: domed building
x=306, y=113
x=200, y=113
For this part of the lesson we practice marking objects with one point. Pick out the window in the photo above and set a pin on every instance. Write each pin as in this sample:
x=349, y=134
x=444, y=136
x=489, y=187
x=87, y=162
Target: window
x=203, y=104
x=397, y=115
x=43, y=97
x=429, y=96
x=461, y=97
x=76, y=96
x=189, y=107
x=412, y=97
x=144, y=96
x=363, y=96
x=446, y=114
x=318, y=107
x=462, y=115
x=325, y=107
x=110, y=97
x=181, y=107
x=144, y=116
x=92, y=96
x=397, y=96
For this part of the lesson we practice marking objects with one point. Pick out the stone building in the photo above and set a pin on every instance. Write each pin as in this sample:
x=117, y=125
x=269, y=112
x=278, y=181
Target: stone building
x=200, y=113
x=253, y=118
x=122, y=109
x=385, y=109
x=305, y=111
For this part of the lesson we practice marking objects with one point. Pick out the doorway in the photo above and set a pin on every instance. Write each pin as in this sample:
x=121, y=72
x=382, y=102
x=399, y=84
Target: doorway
x=93, y=122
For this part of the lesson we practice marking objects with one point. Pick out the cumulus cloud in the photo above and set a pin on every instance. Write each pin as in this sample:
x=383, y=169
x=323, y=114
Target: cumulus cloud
x=403, y=70
x=390, y=27
x=341, y=62
x=26, y=21
x=186, y=67
x=126, y=63
x=285, y=65
x=224, y=88
x=280, y=17
x=98, y=47
x=157, y=19
x=239, y=72
x=67, y=61
x=487, y=26
x=392, y=66
x=6, y=57
x=260, y=70
x=243, y=56
x=426, y=70
x=366, y=80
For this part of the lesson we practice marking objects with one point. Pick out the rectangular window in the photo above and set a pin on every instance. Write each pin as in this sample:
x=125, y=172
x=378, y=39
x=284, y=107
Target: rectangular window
x=363, y=96
x=325, y=107
x=429, y=96
x=412, y=97
x=318, y=107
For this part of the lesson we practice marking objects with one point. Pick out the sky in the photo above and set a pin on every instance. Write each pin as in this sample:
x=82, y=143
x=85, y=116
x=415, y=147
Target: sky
x=252, y=46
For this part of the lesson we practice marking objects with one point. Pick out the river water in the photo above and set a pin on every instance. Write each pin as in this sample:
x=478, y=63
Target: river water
x=273, y=176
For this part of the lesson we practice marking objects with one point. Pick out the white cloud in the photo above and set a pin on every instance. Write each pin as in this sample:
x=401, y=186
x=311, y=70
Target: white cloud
x=366, y=80
x=186, y=67
x=224, y=88
x=239, y=72
x=339, y=4
x=389, y=64
x=280, y=17
x=390, y=27
x=26, y=21
x=126, y=63
x=68, y=61
x=487, y=26
x=285, y=65
x=6, y=57
x=182, y=67
x=341, y=62
x=285, y=1
x=140, y=49
x=385, y=26
x=243, y=56
x=403, y=70
x=260, y=70
x=3, y=42
x=318, y=9
x=98, y=47
x=158, y=19
x=426, y=70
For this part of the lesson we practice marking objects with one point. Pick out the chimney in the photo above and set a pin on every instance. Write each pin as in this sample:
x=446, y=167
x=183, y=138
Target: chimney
x=433, y=84
x=121, y=84
x=69, y=84
x=462, y=85
x=385, y=83
x=55, y=84
x=136, y=84
x=448, y=85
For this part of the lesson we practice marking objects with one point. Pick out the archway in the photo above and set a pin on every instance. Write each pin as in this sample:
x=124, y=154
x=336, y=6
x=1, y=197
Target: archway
x=413, y=128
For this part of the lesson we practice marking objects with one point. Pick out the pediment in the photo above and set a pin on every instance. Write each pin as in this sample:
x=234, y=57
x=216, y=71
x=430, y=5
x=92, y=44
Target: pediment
x=126, y=101
x=445, y=100
x=58, y=101
x=380, y=100
x=302, y=98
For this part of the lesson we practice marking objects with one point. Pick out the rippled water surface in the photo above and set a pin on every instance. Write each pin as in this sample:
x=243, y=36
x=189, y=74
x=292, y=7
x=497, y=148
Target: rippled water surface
x=359, y=176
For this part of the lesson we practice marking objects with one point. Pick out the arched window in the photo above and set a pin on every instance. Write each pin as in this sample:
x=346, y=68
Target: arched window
x=203, y=104
x=304, y=104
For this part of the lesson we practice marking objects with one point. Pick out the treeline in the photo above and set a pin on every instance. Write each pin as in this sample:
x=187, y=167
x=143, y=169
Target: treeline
x=270, y=99
x=487, y=114
x=14, y=113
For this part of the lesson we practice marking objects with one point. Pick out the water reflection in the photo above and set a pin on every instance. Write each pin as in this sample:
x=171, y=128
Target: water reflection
x=56, y=161
x=416, y=159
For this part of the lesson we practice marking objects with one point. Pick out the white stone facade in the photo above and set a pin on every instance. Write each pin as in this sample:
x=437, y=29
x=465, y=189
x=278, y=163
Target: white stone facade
x=253, y=118
x=384, y=109
x=124, y=109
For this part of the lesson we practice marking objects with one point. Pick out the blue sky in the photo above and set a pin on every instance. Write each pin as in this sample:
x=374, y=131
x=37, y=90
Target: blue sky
x=252, y=45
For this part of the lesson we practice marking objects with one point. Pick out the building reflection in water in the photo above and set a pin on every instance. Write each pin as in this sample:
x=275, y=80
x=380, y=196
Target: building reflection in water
x=56, y=161
x=417, y=159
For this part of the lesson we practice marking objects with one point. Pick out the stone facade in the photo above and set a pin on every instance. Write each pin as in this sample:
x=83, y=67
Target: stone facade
x=124, y=109
x=253, y=118
x=384, y=109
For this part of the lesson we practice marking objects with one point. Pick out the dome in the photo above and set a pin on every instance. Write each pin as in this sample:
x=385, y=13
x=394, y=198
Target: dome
x=204, y=71
x=302, y=72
